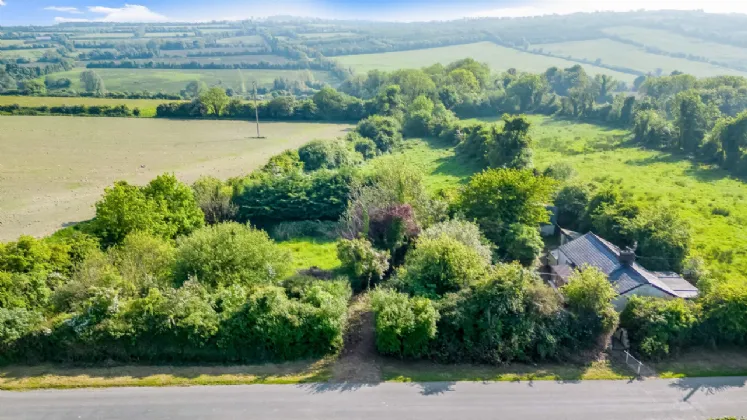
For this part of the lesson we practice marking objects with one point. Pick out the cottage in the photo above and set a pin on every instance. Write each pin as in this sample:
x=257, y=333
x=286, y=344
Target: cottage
x=626, y=275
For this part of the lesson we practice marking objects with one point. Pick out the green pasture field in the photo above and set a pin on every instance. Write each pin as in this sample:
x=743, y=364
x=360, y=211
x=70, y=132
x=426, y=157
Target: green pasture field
x=629, y=56
x=698, y=192
x=327, y=35
x=676, y=43
x=184, y=53
x=147, y=106
x=654, y=178
x=9, y=42
x=173, y=81
x=104, y=35
x=74, y=159
x=233, y=59
x=169, y=34
x=32, y=54
x=248, y=39
x=497, y=57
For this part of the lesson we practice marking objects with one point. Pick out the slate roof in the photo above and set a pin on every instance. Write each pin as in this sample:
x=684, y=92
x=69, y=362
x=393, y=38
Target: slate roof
x=592, y=250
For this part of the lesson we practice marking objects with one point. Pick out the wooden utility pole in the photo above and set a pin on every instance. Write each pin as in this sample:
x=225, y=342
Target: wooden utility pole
x=256, y=107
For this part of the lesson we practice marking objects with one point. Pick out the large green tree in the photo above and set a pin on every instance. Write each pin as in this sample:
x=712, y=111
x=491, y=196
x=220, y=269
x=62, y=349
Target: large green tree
x=498, y=198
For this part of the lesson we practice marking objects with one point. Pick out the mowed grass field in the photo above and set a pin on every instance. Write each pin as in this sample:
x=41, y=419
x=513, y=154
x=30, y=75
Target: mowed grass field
x=147, y=106
x=53, y=169
x=676, y=43
x=629, y=56
x=600, y=154
x=173, y=81
x=497, y=57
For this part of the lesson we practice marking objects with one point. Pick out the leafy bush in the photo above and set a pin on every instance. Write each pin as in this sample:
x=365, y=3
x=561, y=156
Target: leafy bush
x=392, y=227
x=725, y=313
x=272, y=327
x=560, y=171
x=144, y=261
x=366, y=147
x=24, y=290
x=508, y=315
x=284, y=163
x=499, y=198
x=589, y=297
x=522, y=243
x=439, y=266
x=213, y=197
x=230, y=253
x=384, y=131
x=326, y=154
x=571, y=202
x=364, y=265
x=658, y=328
x=29, y=254
x=165, y=208
x=176, y=204
x=404, y=325
x=467, y=233
x=15, y=323
x=321, y=195
x=663, y=238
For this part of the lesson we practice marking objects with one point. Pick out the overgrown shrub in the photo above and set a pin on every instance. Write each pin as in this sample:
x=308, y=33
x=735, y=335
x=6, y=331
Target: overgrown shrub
x=144, y=261
x=507, y=316
x=272, y=327
x=363, y=264
x=571, y=202
x=393, y=227
x=404, y=325
x=24, y=290
x=326, y=154
x=165, y=207
x=658, y=328
x=321, y=195
x=725, y=313
x=384, y=131
x=439, y=266
x=522, y=243
x=589, y=297
x=214, y=199
x=467, y=233
x=230, y=253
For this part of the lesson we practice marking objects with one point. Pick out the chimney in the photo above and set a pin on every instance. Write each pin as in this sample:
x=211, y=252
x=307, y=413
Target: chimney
x=627, y=255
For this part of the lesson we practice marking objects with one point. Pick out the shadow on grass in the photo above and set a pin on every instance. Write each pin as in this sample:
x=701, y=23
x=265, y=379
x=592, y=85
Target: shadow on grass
x=452, y=165
x=697, y=170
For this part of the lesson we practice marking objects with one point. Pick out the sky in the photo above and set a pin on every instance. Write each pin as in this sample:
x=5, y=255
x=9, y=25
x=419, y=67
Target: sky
x=47, y=12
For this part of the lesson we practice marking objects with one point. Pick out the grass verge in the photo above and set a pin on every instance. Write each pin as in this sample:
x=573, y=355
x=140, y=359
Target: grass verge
x=430, y=372
x=25, y=378
x=704, y=363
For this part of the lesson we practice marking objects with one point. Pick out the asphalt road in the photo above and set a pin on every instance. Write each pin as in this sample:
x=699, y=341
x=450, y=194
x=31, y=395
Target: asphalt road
x=597, y=400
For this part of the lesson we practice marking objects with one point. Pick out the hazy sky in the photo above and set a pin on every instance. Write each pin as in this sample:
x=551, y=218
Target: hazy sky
x=20, y=12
